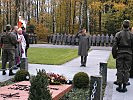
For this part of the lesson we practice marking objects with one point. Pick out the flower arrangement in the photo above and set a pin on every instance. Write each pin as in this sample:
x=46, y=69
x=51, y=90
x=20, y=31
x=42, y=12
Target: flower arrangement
x=56, y=79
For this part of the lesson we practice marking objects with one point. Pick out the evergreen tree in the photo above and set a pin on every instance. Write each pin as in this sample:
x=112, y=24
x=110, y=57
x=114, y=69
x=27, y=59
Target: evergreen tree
x=39, y=87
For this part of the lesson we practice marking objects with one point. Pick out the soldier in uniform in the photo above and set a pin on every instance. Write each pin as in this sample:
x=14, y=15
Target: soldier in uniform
x=83, y=46
x=69, y=39
x=94, y=40
x=54, y=39
x=73, y=40
x=111, y=39
x=61, y=39
x=107, y=39
x=122, y=52
x=90, y=40
x=9, y=42
x=98, y=40
x=58, y=39
x=102, y=39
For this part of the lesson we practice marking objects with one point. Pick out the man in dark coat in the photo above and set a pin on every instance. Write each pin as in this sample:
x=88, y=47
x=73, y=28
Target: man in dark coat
x=83, y=46
x=26, y=36
x=122, y=52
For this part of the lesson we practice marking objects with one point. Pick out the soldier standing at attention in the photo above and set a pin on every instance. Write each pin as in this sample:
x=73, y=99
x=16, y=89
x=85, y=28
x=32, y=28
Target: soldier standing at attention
x=98, y=40
x=83, y=46
x=122, y=52
x=90, y=40
x=102, y=39
x=94, y=40
x=111, y=39
x=9, y=42
x=107, y=39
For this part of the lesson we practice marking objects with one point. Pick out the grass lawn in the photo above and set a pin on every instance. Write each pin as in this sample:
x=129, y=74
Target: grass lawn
x=111, y=62
x=53, y=56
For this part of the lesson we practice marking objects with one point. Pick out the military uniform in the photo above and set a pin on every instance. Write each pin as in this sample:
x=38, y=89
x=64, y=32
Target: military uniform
x=73, y=40
x=102, y=39
x=58, y=39
x=98, y=40
x=107, y=39
x=111, y=38
x=122, y=51
x=90, y=40
x=61, y=39
x=9, y=42
x=54, y=39
x=94, y=40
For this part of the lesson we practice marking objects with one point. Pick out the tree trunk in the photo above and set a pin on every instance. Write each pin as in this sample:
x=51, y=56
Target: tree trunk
x=74, y=17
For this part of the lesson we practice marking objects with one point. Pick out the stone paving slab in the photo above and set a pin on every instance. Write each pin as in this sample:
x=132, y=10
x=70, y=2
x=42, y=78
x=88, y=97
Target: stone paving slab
x=123, y=96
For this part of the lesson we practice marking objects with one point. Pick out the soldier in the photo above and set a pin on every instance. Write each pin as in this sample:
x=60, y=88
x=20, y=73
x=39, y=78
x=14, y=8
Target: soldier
x=51, y=38
x=54, y=39
x=69, y=39
x=94, y=40
x=102, y=39
x=61, y=39
x=90, y=40
x=9, y=42
x=107, y=39
x=65, y=39
x=98, y=40
x=48, y=39
x=58, y=39
x=76, y=41
x=83, y=46
x=122, y=52
x=111, y=39
x=73, y=40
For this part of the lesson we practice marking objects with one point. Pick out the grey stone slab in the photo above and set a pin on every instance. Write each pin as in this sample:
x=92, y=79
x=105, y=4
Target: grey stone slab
x=123, y=96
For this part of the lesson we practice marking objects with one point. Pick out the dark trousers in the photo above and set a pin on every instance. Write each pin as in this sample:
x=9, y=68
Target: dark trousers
x=123, y=65
x=8, y=55
x=83, y=60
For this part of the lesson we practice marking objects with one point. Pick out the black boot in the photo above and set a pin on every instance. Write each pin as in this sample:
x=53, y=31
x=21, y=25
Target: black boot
x=124, y=88
x=4, y=72
x=115, y=82
x=128, y=83
x=11, y=73
x=119, y=88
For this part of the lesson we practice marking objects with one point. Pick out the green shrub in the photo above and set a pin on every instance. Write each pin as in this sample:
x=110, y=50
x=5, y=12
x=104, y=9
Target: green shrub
x=22, y=75
x=39, y=87
x=81, y=80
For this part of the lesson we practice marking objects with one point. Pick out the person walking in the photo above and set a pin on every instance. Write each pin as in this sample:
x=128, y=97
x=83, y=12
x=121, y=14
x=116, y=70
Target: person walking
x=9, y=42
x=83, y=46
x=122, y=52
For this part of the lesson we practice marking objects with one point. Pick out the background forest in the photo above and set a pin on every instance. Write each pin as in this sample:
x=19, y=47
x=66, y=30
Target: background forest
x=67, y=16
